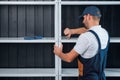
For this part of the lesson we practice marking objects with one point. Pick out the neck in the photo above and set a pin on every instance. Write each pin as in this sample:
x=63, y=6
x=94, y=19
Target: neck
x=93, y=24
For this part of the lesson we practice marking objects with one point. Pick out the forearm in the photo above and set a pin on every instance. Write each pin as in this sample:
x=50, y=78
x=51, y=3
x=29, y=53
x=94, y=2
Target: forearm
x=65, y=57
x=68, y=57
x=78, y=30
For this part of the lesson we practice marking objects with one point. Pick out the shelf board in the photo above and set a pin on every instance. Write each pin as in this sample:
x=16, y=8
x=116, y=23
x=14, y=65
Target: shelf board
x=29, y=72
x=46, y=40
x=90, y=2
x=61, y=2
x=73, y=40
x=73, y=72
x=115, y=39
x=27, y=2
x=49, y=72
x=21, y=40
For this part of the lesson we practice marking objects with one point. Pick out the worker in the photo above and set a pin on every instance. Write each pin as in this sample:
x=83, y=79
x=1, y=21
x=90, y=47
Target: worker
x=91, y=47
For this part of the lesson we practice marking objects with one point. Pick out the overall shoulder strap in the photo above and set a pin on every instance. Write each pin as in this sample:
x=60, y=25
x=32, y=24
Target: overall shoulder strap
x=98, y=40
x=99, y=49
x=102, y=64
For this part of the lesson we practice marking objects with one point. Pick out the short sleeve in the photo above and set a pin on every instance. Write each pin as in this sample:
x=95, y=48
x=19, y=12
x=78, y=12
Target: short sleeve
x=82, y=44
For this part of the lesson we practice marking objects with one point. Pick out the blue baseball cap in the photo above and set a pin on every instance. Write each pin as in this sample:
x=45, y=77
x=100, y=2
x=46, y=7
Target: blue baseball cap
x=92, y=10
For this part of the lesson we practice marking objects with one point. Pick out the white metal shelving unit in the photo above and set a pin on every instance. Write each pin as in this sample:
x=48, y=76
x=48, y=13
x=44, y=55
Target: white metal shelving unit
x=58, y=72
x=73, y=72
x=32, y=72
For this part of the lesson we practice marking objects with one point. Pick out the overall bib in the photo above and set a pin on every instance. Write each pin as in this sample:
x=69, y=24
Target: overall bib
x=93, y=68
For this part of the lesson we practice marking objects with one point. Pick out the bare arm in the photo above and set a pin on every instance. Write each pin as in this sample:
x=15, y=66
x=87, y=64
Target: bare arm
x=68, y=32
x=68, y=57
x=78, y=30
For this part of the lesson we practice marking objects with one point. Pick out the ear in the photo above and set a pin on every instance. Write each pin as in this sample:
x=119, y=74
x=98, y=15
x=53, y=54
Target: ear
x=88, y=17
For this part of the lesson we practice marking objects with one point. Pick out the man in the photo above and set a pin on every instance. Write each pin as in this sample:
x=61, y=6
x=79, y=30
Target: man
x=91, y=47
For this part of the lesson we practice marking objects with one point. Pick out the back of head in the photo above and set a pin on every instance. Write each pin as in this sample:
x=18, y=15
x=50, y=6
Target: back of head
x=92, y=10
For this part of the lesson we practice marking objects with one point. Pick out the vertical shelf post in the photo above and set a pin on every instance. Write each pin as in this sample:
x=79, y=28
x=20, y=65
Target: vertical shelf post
x=56, y=39
x=60, y=27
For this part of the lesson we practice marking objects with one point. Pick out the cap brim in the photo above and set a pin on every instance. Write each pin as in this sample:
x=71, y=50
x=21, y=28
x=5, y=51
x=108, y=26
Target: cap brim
x=80, y=17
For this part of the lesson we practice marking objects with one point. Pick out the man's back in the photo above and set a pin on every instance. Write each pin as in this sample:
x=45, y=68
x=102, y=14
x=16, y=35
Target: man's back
x=87, y=45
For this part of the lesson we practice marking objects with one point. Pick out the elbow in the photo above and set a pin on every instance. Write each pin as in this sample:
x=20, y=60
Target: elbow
x=66, y=58
x=69, y=60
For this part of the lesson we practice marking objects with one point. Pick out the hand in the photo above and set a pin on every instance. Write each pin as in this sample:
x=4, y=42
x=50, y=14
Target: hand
x=68, y=32
x=58, y=50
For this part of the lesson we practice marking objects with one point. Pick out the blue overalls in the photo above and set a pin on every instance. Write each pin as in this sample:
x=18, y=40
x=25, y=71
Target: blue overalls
x=93, y=68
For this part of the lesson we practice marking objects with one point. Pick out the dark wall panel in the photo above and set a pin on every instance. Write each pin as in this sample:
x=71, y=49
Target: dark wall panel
x=113, y=56
x=12, y=57
x=4, y=21
x=30, y=21
x=30, y=55
x=21, y=21
x=27, y=56
x=22, y=55
x=39, y=20
x=12, y=21
x=39, y=61
x=4, y=52
x=48, y=20
x=49, y=60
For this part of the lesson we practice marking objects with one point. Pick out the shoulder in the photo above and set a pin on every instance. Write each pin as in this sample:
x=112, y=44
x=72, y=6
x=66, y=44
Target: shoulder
x=87, y=35
x=86, y=43
x=87, y=38
x=103, y=36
